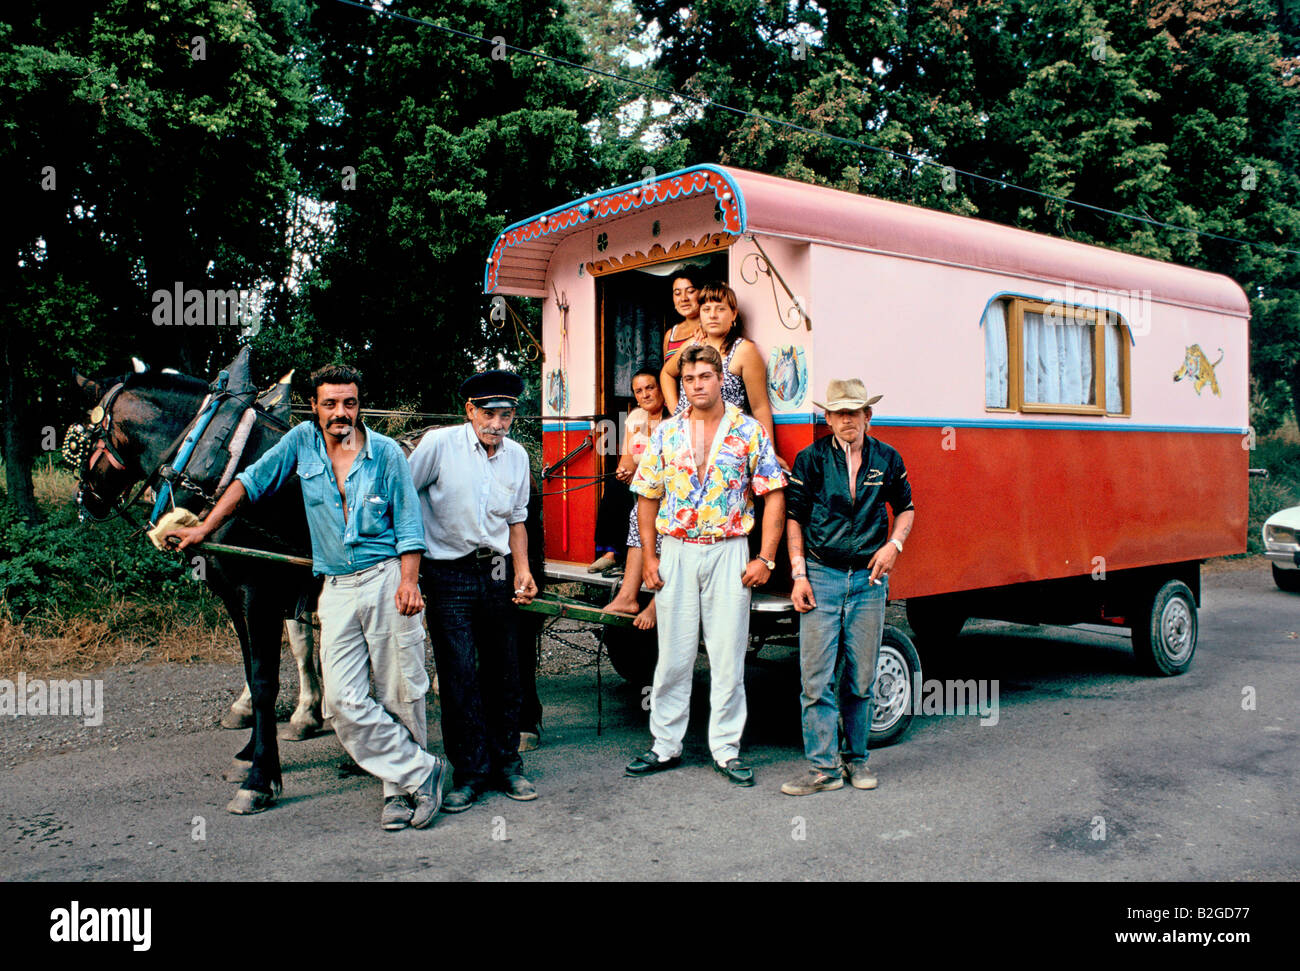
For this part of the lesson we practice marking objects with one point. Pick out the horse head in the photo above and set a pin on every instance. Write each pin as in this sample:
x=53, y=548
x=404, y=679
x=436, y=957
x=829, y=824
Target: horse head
x=134, y=420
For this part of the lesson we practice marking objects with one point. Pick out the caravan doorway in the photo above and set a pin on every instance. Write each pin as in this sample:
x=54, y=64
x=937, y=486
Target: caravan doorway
x=636, y=310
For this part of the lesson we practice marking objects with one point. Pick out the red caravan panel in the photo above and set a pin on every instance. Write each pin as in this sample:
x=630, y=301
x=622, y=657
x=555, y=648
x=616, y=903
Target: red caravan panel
x=1010, y=505
x=570, y=518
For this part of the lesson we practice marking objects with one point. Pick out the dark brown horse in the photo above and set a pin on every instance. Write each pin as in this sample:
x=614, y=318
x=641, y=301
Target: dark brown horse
x=138, y=422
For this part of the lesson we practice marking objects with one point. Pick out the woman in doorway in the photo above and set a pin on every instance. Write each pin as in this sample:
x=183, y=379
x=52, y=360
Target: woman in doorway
x=744, y=375
x=685, y=302
x=641, y=424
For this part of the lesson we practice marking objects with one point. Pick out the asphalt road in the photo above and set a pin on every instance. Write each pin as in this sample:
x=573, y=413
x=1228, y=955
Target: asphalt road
x=1181, y=780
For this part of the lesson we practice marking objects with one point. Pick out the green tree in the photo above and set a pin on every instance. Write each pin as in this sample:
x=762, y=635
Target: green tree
x=430, y=145
x=146, y=147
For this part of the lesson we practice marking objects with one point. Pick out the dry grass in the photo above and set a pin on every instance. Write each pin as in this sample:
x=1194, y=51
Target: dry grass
x=124, y=632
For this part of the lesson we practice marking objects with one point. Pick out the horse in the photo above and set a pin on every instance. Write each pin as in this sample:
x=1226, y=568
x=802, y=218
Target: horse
x=136, y=426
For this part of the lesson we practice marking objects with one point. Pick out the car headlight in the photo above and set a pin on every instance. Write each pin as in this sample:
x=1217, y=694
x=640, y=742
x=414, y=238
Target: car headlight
x=1281, y=535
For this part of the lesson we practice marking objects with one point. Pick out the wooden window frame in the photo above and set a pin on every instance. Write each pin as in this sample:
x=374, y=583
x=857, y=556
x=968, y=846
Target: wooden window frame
x=1016, y=309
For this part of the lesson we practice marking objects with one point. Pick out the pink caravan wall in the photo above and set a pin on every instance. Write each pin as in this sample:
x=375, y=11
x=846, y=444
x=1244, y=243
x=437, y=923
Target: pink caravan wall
x=912, y=331
x=768, y=318
x=580, y=292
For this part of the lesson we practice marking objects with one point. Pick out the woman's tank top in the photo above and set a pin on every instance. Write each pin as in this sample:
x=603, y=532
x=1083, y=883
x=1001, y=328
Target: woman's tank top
x=673, y=345
x=733, y=385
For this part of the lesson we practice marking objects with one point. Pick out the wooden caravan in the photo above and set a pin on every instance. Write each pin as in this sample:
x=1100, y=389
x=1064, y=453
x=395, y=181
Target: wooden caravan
x=1073, y=418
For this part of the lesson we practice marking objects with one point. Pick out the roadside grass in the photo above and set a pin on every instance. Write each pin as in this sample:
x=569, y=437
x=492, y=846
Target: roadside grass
x=1279, y=453
x=77, y=597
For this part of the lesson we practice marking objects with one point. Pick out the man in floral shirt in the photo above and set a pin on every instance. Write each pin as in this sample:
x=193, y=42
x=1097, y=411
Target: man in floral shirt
x=696, y=484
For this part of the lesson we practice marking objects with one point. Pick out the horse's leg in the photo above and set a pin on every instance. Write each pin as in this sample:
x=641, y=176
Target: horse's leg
x=265, y=623
x=240, y=765
x=306, y=720
x=240, y=714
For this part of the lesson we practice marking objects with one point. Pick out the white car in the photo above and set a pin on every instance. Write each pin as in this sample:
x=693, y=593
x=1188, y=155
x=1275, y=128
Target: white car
x=1282, y=547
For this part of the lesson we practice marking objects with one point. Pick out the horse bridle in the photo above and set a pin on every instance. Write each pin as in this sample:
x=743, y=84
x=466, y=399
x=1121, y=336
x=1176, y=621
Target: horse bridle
x=82, y=447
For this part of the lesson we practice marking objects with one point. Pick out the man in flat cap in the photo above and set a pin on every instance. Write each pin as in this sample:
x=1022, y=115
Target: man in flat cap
x=472, y=481
x=841, y=551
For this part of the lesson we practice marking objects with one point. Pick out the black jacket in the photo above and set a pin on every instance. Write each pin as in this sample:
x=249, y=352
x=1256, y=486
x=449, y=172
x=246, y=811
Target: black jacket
x=836, y=531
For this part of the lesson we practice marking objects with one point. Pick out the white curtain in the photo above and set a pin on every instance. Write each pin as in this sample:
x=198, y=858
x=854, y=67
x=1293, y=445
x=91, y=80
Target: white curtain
x=995, y=355
x=1058, y=360
x=1114, y=396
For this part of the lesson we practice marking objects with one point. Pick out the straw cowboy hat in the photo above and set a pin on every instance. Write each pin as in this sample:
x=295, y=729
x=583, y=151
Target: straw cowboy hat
x=847, y=395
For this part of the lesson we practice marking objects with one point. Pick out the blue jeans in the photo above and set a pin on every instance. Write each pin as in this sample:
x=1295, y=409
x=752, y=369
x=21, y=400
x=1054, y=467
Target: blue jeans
x=838, y=642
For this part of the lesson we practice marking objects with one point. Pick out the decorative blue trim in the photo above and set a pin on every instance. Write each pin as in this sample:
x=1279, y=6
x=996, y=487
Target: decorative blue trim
x=557, y=425
x=1116, y=424
x=183, y=454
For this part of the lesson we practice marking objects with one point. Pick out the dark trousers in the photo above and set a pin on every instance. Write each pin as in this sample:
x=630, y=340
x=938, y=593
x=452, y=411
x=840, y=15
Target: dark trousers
x=472, y=626
x=611, y=517
x=527, y=627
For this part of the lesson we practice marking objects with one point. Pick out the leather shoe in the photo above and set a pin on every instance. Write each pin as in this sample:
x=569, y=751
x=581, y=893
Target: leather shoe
x=516, y=786
x=428, y=798
x=736, y=771
x=459, y=799
x=648, y=763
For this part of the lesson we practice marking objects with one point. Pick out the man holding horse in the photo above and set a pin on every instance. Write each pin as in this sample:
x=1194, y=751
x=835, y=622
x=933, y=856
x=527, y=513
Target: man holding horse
x=367, y=538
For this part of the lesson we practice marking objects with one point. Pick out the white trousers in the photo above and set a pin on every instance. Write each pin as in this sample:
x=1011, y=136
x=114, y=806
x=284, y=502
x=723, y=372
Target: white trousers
x=701, y=586
x=361, y=633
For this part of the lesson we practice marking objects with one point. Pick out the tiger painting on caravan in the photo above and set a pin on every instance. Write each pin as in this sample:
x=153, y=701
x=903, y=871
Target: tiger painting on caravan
x=1064, y=477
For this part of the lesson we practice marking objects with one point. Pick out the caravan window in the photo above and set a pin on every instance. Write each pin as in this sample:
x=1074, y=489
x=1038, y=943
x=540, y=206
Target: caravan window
x=1047, y=357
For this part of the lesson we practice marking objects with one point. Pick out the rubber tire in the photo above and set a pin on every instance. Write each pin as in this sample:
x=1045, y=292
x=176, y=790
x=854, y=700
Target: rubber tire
x=935, y=621
x=1151, y=647
x=897, y=655
x=633, y=653
x=1288, y=580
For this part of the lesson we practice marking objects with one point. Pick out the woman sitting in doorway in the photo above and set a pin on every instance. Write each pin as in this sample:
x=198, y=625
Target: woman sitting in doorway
x=641, y=424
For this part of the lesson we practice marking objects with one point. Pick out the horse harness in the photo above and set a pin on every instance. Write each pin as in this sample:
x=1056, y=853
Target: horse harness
x=82, y=444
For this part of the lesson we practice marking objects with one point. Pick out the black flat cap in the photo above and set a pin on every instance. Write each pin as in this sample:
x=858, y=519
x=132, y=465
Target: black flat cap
x=494, y=389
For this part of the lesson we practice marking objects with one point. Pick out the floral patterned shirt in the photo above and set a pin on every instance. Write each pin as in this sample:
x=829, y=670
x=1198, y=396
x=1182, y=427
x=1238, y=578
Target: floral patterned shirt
x=742, y=464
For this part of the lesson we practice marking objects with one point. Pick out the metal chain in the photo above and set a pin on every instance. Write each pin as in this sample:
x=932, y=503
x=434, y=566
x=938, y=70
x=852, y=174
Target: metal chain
x=554, y=634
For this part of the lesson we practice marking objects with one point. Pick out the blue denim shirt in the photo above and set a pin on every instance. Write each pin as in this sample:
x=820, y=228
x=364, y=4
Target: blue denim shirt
x=383, y=517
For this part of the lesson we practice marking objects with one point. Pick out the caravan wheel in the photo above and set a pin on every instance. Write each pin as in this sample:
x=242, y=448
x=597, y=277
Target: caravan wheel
x=633, y=653
x=1164, y=630
x=898, y=668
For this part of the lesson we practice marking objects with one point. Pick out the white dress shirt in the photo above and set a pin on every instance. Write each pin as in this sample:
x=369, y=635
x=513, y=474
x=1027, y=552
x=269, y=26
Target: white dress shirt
x=468, y=499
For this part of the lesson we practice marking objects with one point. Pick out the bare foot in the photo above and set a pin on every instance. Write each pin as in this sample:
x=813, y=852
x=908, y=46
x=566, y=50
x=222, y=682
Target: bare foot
x=623, y=605
x=646, y=619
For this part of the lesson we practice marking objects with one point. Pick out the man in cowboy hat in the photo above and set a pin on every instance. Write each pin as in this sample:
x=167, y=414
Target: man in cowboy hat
x=841, y=551
x=473, y=486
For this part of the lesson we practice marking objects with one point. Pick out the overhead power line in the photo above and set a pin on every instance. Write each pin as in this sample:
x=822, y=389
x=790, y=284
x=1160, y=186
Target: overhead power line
x=707, y=103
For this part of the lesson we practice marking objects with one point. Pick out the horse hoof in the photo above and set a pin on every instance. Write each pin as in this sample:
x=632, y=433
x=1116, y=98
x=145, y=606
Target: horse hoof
x=297, y=732
x=248, y=802
x=237, y=771
x=234, y=720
